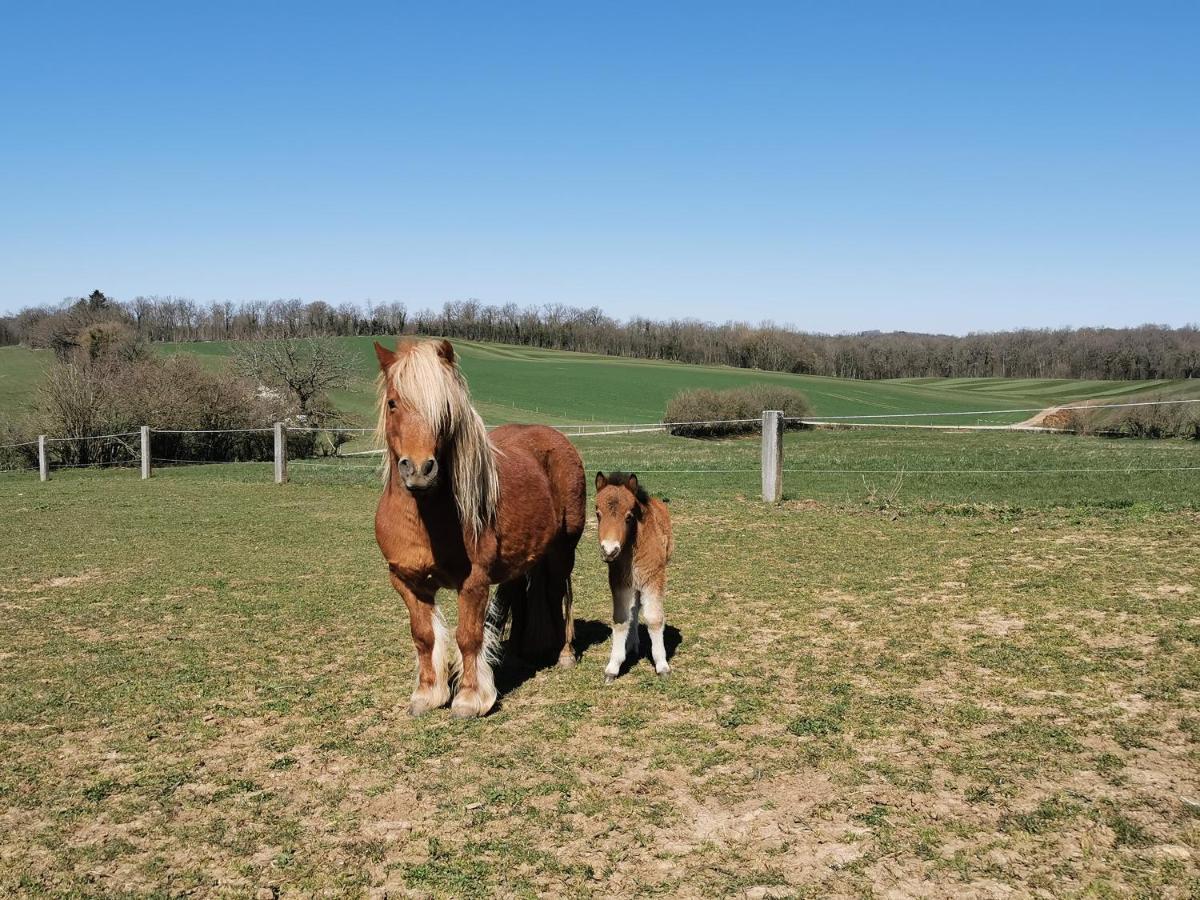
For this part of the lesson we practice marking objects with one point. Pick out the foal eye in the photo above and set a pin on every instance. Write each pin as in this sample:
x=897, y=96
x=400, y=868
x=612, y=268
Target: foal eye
x=391, y=404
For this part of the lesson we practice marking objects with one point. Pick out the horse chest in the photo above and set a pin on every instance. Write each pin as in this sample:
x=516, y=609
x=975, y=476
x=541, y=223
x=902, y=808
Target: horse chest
x=418, y=551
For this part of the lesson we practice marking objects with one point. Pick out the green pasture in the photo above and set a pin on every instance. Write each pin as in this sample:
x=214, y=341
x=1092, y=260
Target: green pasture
x=518, y=384
x=973, y=685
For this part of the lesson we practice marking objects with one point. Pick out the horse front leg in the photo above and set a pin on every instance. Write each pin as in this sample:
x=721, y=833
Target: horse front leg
x=437, y=657
x=476, y=693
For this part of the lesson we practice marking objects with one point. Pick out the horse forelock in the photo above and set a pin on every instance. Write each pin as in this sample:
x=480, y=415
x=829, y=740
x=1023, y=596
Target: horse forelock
x=436, y=391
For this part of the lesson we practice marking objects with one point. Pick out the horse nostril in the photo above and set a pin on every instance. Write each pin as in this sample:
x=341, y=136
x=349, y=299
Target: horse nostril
x=405, y=464
x=430, y=465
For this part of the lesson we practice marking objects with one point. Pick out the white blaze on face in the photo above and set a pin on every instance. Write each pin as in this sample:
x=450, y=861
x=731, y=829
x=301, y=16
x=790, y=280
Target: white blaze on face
x=610, y=548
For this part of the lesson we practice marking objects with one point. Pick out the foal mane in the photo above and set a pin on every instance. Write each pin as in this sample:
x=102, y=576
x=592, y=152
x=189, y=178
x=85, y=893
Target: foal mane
x=622, y=478
x=436, y=390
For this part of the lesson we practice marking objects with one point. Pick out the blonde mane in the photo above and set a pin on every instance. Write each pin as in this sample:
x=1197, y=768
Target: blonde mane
x=438, y=393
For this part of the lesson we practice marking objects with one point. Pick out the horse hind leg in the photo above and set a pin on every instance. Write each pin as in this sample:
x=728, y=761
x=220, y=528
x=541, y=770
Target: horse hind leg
x=566, y=656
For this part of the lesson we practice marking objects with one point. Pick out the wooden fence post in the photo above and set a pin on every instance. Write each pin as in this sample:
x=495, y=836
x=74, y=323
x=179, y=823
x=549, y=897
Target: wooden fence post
x=145, y=452
x=43, y=460
x=280, y=453
x=772, y=455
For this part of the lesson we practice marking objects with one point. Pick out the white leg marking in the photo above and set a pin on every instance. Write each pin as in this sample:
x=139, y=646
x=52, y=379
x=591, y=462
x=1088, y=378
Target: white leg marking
x=624, y=617
x=447, y=665
x=655, y=623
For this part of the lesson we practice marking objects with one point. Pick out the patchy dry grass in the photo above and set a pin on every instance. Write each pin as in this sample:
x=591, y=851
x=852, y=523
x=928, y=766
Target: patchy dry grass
x=202, y=685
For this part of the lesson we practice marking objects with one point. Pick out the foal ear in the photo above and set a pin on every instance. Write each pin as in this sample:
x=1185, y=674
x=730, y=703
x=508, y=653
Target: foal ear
x=632, y=484
x=386, y=356
x=601, y=482
x=446, y=351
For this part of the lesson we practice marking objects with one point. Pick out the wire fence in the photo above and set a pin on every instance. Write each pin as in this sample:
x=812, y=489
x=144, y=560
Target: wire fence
x=323, y=449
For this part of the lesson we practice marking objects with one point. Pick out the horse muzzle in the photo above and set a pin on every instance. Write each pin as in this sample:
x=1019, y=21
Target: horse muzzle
x=610, y=550
x=418, y=478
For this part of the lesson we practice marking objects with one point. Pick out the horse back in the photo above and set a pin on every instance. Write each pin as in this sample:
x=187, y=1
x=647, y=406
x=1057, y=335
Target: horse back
x=559, y=461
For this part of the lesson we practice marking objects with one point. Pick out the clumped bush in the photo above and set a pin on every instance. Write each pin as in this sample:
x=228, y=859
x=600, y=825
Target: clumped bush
x=1167, y=420
x=80, y=400
x=16, y=457
x=708, y=411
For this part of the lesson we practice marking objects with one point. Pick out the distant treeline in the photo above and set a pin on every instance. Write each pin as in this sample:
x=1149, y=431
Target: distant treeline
x=1144, y=352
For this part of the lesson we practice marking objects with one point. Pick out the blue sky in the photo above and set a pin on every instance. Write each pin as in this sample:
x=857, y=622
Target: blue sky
x=838, y=166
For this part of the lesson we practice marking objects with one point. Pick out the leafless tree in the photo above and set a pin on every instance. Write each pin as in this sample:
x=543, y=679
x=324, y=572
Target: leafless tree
x=306, y=368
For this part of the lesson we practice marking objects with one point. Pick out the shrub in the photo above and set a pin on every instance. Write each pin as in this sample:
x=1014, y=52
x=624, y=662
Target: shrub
x=14, y=457
x=1153, y=421
x=177, y=393
x=711, y=410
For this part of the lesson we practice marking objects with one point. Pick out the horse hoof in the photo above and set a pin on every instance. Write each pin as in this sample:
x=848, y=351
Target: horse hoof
x=566, y=661
x=609, y=679
x=664, y=672
x=469, y=705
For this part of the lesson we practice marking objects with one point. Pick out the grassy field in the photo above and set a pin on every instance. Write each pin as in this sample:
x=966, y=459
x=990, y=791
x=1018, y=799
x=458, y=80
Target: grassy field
x=517, y=384
x=953, y=685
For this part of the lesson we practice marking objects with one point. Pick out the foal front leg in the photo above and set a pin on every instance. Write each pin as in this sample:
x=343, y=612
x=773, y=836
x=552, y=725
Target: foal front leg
x=624, y=619
x=437, y=657
x=652, y=609
x=476, y=693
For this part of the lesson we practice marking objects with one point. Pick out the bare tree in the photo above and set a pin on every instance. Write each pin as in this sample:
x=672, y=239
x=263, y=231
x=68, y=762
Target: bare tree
x=304, y=367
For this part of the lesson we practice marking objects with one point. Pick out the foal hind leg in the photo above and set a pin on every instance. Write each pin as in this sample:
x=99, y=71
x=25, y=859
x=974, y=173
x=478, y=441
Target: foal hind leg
x=437, y=657
x=652, y=610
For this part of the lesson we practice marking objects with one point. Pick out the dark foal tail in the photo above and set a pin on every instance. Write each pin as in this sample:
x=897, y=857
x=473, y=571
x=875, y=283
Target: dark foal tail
x=537, y=604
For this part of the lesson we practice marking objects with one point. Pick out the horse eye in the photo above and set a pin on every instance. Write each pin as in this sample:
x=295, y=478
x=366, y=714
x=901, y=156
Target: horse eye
x=391, y=404
x=628, y=517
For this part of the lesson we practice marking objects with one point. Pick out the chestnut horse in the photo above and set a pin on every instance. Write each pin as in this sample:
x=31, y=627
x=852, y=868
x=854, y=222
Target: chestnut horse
x=464, y=511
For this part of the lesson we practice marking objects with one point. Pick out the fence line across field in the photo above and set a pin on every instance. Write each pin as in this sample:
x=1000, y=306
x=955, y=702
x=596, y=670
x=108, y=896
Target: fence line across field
x=772, y=424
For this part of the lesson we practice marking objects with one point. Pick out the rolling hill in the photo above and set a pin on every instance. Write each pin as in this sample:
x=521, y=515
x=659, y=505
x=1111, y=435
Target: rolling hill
x=557, y=387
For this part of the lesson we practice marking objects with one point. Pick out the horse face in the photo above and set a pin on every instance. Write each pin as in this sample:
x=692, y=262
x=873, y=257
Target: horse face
x=617, y=515
x=414, y=445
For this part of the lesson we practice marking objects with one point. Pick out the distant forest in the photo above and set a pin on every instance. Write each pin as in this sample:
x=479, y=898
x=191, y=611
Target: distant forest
x=1144, y=352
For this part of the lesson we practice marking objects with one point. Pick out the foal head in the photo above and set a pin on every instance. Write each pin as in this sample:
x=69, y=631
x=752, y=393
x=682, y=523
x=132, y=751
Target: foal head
x=620, y=504
x=431, y=432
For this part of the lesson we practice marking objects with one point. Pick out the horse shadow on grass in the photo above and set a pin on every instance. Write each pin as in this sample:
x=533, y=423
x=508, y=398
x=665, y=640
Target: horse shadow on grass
x=514, y=671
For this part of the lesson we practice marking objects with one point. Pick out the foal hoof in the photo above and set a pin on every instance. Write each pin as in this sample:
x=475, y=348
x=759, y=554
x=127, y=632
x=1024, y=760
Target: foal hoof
x=609, y=679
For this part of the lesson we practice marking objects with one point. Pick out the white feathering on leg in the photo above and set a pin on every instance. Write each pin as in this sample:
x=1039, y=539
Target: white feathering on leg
x=489, y=655
x=447, y=662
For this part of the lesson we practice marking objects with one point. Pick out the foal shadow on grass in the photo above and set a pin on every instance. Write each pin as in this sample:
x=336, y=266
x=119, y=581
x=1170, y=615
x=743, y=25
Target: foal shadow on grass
x=514, y=672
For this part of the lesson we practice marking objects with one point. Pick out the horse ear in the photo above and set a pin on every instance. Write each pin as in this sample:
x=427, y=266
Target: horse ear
x=632, y=484
x=601, y=482
x=386, y=356
x=446, y=351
